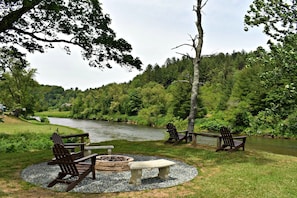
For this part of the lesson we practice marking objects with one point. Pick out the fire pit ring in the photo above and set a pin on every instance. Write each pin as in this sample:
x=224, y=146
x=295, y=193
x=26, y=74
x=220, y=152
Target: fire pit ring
x=115, y=163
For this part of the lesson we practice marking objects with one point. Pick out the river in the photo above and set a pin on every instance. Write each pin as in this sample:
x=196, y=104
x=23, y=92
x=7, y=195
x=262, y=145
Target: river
x=100, y=131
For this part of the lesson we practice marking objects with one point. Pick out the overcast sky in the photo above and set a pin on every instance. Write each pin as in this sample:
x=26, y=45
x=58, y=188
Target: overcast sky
x=153, y=28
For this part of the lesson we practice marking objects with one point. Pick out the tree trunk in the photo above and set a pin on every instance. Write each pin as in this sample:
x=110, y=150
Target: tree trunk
x=197, y=45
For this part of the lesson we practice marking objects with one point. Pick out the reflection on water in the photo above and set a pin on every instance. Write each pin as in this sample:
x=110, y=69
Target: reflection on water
x=103, y=131
x=100, y=131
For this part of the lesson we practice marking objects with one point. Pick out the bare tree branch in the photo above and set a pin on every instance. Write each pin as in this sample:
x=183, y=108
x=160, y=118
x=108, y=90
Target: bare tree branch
x=185, y=44
x=187, y=55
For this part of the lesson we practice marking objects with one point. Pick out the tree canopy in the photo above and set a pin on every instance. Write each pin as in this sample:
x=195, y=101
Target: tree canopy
x=279, y=17
x=17, y=82
x=37, y=25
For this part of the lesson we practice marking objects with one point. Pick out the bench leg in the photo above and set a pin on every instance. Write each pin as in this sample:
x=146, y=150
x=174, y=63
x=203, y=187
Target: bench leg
x=163, y=173
x=136, y=177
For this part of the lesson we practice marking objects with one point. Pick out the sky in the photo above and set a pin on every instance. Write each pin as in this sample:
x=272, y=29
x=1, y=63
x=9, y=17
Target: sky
x=153, y=28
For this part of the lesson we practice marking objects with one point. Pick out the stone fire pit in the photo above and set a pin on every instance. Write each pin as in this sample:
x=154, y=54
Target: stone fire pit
x=113, y=163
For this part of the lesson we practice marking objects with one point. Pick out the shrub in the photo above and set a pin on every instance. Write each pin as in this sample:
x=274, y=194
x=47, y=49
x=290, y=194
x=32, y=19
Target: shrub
x=212, y=124
x=289, y=127
x=44, y=120
x=240, y=121
x=265, y=123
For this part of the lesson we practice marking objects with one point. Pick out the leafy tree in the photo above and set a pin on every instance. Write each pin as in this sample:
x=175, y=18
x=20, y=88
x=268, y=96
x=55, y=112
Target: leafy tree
x=17, y=84
x=180, y=102
x=78, y=106
x=134, y=102
x=278, y=17
x=38, y=24
x=279, y=79
x=248, y=89
x=153, y=97
x=279, y=76
x=153, y=94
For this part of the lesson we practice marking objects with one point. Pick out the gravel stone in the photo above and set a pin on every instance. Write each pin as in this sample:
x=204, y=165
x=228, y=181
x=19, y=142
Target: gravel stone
x=42, y=174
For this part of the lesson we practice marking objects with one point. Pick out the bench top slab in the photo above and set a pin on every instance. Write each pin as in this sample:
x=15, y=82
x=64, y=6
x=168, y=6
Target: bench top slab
x=159, y=163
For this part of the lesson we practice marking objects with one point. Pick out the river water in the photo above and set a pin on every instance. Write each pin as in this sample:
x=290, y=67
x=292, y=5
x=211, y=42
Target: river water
x=100, y=131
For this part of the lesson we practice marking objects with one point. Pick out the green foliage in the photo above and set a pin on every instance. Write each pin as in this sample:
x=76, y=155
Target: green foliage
x=265, y=123
x=278, y=94
x=180, y=101
x=240, y=121
x=22, y=142
x=53, y=113
x=252, y=92
x=278, y=76
x=234, y=96
x=289, y=126
x=212, y=122
x=278, y=17
x=249, y=92
x=17, y=84
x=133, y=103
x=38, y=24
x=44, y=120
x=55, y=97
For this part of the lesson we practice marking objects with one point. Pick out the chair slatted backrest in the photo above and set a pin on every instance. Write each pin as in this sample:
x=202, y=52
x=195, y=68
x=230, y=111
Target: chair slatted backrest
x=171, y=129
x=57, y=139
x=65, y=160
x=227, y=137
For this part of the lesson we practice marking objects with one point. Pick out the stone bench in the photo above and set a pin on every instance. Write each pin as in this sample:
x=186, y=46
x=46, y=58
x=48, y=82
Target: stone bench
x=108, y=147
x=137, y=166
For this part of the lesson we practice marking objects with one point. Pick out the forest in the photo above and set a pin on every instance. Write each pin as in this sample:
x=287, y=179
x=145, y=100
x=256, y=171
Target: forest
x=238, y=90
x=250, y=92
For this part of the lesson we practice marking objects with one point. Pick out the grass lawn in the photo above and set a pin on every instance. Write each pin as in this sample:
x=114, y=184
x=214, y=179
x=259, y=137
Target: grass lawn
x=221, y=174
x=54, y=113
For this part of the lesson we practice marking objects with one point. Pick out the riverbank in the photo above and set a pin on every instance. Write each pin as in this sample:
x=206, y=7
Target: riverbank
x=246, y=174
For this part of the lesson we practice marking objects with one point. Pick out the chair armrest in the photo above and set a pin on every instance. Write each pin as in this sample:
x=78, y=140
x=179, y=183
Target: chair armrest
x=86, y=158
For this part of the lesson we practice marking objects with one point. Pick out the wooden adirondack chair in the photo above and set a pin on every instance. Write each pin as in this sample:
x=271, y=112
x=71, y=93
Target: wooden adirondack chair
x=174, y=136
x=79, y=167
x=234, y=143
x=57, y=139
